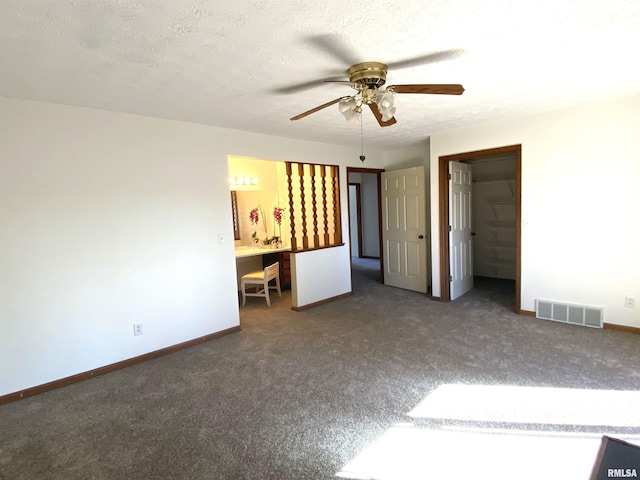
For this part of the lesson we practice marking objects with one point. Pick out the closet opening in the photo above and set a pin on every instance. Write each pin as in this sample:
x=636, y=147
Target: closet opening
x=487, y=255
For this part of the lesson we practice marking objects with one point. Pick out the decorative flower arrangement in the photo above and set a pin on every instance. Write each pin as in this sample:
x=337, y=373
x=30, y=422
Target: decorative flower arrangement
x=262, y=236
x=278, y=213
x=254, y=216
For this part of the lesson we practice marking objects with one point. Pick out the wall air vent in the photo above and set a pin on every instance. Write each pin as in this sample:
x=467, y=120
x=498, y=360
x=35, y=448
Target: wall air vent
x=570, y=313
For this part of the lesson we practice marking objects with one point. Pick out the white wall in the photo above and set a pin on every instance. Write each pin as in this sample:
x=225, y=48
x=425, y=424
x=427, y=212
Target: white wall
x=110, y=219
x=410, y=156
x=580, y=200
x=320, y=274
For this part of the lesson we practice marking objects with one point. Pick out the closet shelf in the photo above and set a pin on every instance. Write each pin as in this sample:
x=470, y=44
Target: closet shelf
x=501, y=223
x=505, y=226
x=495, y=220
x=500, y=201
x=503, y=263
x=501, y=244
x=493, y=181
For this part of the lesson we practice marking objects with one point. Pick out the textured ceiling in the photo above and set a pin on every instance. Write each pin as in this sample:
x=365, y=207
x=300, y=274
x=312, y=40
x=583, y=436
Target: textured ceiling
x=221, y=62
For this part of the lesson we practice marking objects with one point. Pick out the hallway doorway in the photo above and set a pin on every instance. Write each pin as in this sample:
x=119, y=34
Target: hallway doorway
x=365, y=234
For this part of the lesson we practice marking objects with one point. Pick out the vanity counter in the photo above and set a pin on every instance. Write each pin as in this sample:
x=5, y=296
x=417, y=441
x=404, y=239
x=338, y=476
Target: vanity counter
x=250, y=259
x=251, y=251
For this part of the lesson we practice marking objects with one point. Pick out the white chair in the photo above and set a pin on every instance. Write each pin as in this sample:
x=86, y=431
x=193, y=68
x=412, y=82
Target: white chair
x=260, y=280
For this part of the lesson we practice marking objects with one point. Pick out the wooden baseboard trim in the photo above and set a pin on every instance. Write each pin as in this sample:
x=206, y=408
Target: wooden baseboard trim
x=321, y=302
x=621, y=328
x=63, y=382
x=605, y=326
x=437, y=299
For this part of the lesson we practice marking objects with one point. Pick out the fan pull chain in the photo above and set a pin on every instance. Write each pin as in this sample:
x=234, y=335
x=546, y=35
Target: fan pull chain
x=362, y=157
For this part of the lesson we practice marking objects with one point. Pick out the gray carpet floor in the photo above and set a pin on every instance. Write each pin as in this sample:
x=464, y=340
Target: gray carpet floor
x=299, y=395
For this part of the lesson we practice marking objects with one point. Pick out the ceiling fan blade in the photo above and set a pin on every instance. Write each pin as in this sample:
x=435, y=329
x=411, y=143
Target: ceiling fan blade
x=314, y=110
x=332, y=45
x=378, y=115
x=437, y=88
x=424, y=59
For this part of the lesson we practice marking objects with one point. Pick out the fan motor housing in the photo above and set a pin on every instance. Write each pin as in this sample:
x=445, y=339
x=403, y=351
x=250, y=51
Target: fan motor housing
x=371, y=74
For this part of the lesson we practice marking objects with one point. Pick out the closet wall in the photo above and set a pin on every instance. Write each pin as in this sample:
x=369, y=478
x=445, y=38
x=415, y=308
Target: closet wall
x=494, y=216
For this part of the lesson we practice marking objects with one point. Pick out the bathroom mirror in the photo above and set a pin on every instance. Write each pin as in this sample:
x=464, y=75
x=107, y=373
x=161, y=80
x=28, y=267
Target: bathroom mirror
x=264, y=201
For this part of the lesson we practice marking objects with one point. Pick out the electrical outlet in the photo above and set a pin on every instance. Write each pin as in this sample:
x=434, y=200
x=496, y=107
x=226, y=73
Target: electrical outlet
x=137, y=329
x=630, y=302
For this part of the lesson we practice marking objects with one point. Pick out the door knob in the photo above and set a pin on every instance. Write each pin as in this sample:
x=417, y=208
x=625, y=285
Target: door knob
x=420, y=237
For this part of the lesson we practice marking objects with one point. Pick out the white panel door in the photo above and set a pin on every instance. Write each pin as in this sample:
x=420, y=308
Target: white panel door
x=460, y=239
x=404, y=229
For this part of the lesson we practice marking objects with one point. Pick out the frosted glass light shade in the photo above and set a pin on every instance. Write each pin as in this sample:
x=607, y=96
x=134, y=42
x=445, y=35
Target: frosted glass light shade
x=387, y=113
x=347, y=104
x=348, y=107
x=384, y=100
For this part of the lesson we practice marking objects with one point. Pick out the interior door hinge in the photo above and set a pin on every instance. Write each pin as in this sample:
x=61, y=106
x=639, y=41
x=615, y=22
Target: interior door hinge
x=449, y=227
x=449, y=176
x=450, y=278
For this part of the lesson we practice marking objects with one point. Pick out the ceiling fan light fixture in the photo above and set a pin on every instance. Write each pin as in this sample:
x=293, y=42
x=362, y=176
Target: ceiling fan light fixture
x=346, y=104
x=387, y=113
x=349, y=108
x=368, y=78
x=351, y=115
x=384, y=100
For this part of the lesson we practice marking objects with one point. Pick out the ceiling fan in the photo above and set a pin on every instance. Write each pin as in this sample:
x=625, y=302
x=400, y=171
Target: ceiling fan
x=368, y=78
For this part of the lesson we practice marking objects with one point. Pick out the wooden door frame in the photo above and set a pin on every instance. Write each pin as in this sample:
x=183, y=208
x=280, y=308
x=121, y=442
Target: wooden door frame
x=443, y=183
x=378, y=172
